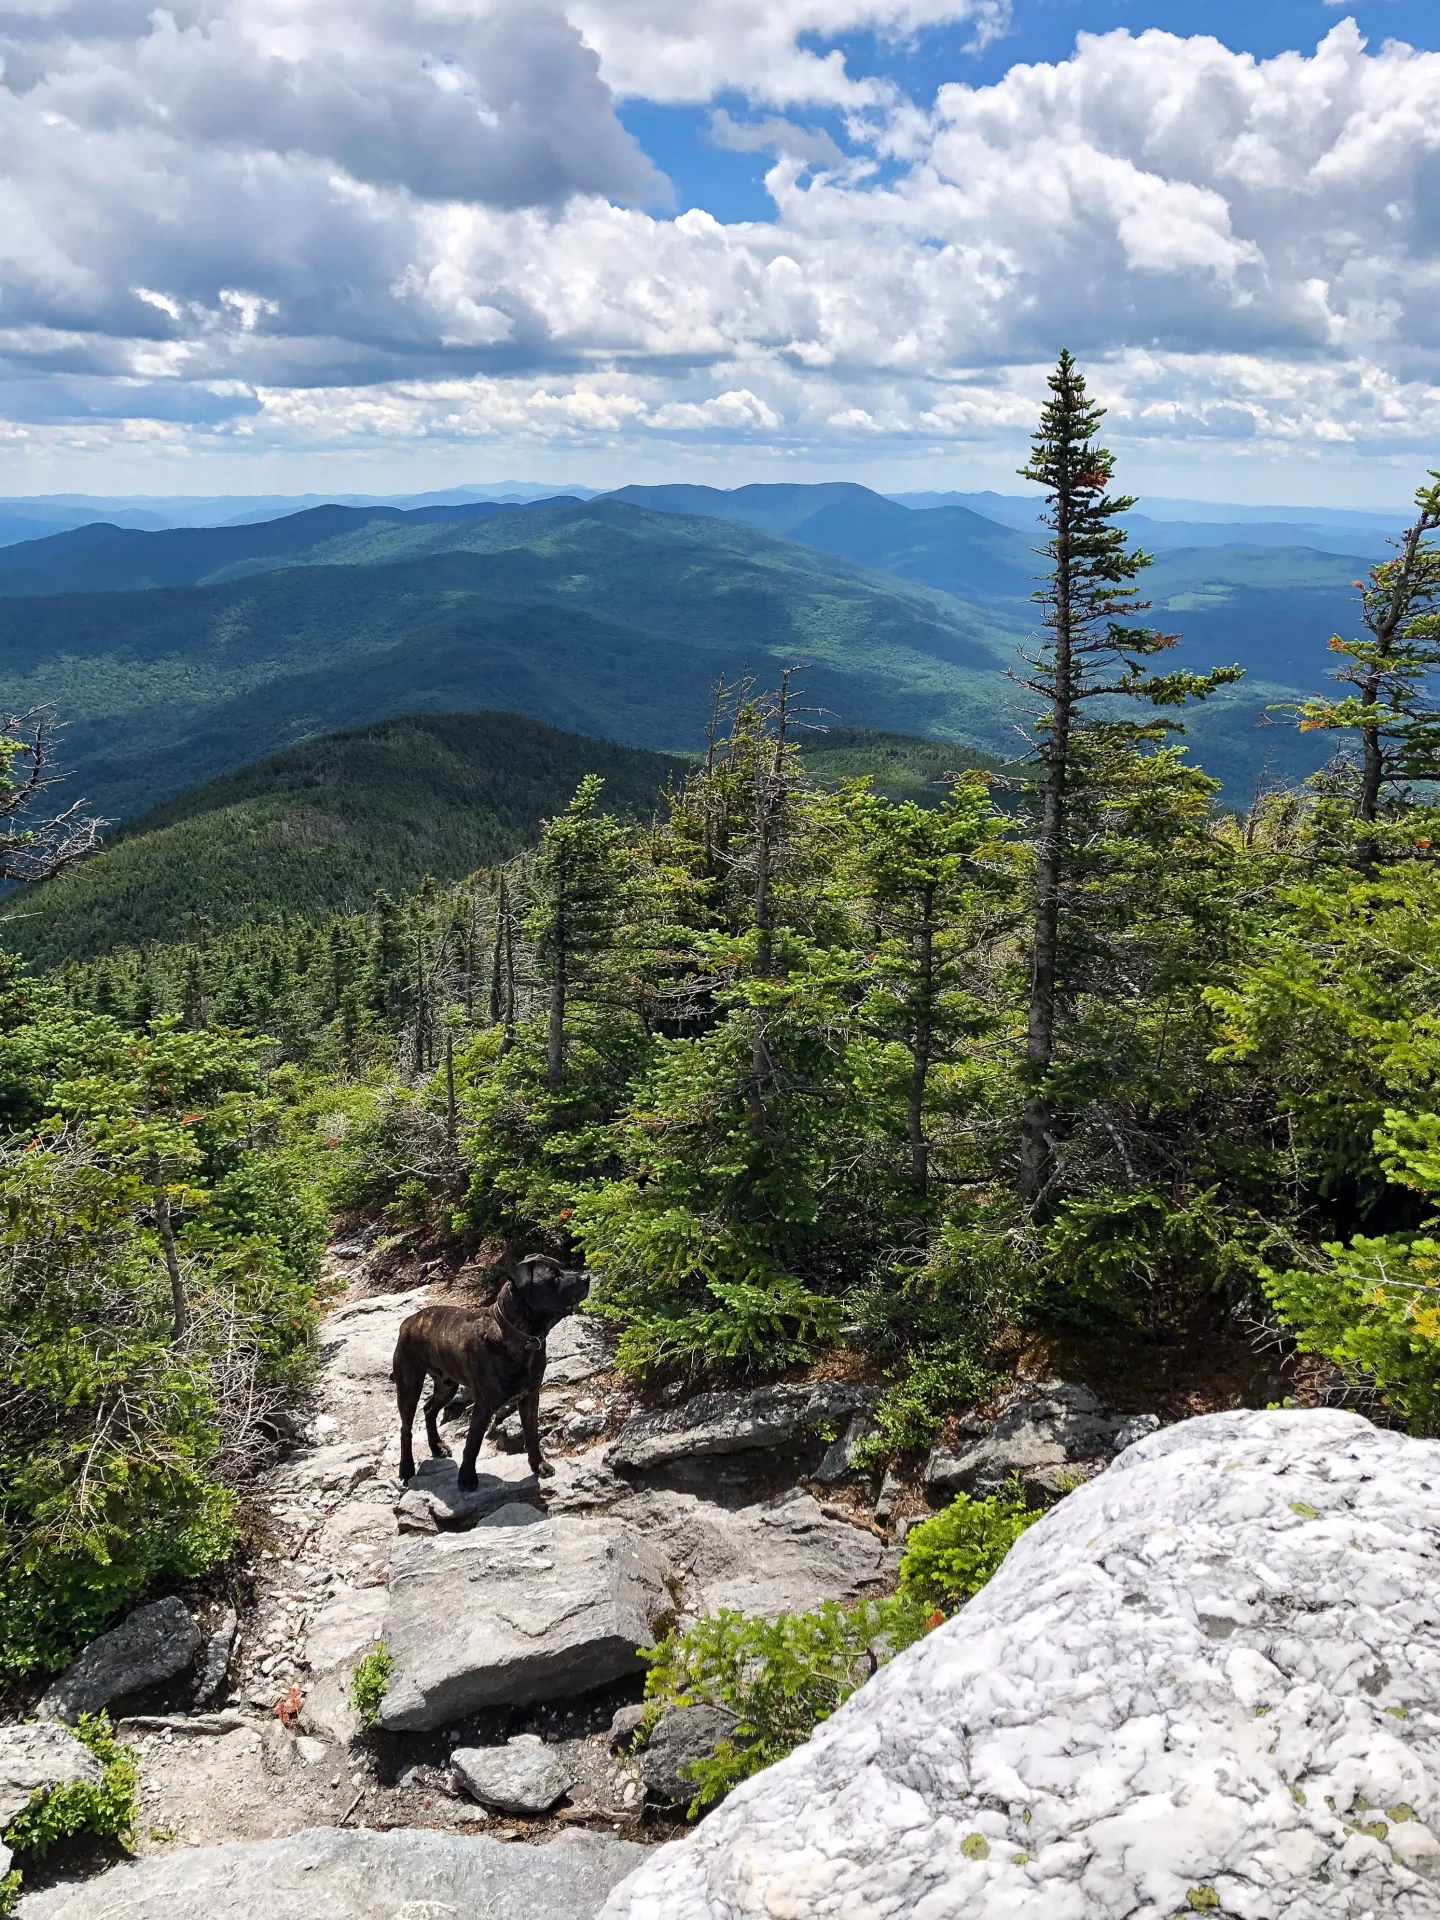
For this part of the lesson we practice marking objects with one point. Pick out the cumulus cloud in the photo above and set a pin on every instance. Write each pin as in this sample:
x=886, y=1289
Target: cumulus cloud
x=421, y=218
x=660, y=51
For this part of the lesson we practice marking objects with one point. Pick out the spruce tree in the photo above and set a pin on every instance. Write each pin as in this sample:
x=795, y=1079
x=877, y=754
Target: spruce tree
x=1391, y=707
x=1093, y=651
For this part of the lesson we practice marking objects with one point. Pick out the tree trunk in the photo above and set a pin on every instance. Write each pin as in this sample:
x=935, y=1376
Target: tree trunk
x=555, y=1045
x=497, y=958
x=179, y=1304
x=452, y=1130
x=923, y=1043
x=1036, y=1148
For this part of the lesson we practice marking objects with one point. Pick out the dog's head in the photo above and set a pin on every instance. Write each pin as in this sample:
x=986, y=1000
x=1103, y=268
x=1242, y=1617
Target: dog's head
x=545, y=1291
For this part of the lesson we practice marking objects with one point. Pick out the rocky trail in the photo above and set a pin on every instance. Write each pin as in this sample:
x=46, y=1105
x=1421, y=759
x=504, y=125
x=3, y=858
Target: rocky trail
x=511, y=1617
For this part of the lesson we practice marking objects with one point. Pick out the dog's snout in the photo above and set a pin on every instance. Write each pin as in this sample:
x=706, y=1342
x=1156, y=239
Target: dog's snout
x=577, y=1285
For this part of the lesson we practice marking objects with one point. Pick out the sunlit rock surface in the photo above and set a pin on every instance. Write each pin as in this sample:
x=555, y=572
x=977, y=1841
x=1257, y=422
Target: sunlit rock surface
x=1208, y=1681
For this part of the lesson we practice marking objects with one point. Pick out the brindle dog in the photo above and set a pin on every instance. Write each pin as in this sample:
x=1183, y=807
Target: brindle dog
x=496, y=1351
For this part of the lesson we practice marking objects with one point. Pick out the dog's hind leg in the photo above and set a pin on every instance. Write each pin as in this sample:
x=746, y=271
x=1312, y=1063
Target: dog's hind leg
x=445, y=1392
x=409, y=1376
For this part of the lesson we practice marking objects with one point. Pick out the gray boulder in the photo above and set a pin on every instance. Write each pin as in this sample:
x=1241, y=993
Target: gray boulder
x=1046, y=1434
x=1204, y=1683
x=410, y=1873
x=579, y=1348
x=433, y=1501
x=714, y=1423
x=524, y=1776
x=780, y=1556
x=156, y=1643
x=509, y=1615
x=37, y=1758
x=685, y=1735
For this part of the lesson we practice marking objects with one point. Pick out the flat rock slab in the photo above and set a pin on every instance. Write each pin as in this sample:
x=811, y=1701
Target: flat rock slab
x=40, y=1757
x=524, y=1777
x=714, y=1423
x=783, y=1556
x=328, y=1874
x=433, y=1499
x=1044, y=1431
x=1208, y=1681
x=156, y=1643
x=358, y=1345
x=344, y=1628
x=510, y=1615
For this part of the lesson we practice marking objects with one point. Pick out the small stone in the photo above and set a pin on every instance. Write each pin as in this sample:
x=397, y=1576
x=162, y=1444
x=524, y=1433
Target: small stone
x=219, y=1650
x=517, y=1778
x=623, y=1725
x=890, y=1491
x=683, y=1736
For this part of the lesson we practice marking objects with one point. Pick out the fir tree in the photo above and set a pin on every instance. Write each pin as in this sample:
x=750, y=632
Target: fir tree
x=1093, y=652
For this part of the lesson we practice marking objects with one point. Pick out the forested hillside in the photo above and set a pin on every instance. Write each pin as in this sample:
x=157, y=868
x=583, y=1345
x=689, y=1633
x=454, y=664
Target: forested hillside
x=318, y=829
x=811, y=1077
x=610, y=622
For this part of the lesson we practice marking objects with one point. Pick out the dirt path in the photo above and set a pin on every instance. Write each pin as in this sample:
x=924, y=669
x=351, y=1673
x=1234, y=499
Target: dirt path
x=240, y=1771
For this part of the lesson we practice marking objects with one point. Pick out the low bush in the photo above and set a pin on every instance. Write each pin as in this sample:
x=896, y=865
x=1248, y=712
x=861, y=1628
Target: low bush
x=77, y=1806
x=951, y=1556
x=782, y=1677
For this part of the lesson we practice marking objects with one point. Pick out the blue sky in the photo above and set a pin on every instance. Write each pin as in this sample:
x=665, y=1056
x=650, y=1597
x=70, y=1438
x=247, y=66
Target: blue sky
x=731, y=185
x=263, y=245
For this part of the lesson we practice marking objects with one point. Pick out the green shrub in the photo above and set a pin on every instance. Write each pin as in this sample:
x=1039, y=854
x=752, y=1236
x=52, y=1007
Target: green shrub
x=1375, y=1310
x=781, y=1678
x=76, y=1806
x=368, y=1681
x=951, y=1556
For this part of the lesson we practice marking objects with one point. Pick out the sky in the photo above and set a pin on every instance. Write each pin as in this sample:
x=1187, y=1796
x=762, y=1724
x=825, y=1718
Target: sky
x=376, y=245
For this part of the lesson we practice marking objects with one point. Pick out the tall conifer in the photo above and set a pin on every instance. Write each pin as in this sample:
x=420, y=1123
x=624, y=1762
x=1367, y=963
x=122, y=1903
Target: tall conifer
x=1092, y=651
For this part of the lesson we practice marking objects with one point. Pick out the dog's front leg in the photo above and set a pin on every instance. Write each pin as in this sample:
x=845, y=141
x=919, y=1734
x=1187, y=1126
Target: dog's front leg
x=482, y=1412
x=530, y=1427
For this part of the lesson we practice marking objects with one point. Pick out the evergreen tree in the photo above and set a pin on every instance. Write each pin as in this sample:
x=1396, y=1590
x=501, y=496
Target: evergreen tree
x=1093, y=652
x=1392, y=708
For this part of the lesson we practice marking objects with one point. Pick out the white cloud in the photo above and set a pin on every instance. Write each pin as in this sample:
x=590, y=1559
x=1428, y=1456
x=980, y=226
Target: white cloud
x=661, y=50
x=298, y=226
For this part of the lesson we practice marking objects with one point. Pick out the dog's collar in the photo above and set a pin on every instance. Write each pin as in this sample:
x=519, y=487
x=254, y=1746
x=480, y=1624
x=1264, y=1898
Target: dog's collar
x=533, y=1342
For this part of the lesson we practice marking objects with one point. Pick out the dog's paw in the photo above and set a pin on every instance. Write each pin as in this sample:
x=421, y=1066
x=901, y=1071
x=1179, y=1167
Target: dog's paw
x=442, y=1452
x=545, y=1470
x=407, y=1472
x=467, y=1482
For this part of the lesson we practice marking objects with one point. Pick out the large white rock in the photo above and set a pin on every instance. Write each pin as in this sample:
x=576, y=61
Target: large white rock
x=1207, y=1681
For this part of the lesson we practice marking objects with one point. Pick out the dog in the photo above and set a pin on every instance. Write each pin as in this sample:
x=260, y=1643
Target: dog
x=497, y=1352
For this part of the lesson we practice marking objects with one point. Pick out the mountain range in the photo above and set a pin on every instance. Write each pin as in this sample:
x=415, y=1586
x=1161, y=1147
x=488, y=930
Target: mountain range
x=178, y=655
